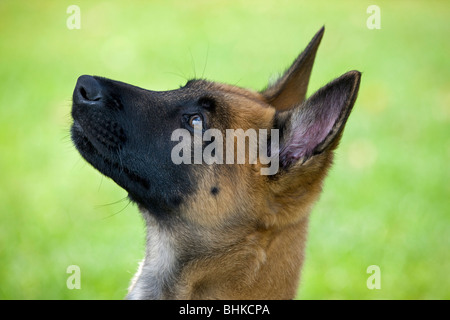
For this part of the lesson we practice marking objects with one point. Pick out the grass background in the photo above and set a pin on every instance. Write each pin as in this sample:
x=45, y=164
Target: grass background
x=385, y=202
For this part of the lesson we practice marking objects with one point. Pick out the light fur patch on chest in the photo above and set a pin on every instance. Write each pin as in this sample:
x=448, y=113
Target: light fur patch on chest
x=156, y=271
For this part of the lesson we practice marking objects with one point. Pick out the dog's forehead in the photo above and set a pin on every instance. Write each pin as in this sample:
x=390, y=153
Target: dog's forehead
x=226, y=90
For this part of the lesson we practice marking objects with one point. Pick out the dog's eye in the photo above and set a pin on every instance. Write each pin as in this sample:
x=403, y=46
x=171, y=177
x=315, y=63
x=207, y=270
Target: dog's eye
x=195, y=120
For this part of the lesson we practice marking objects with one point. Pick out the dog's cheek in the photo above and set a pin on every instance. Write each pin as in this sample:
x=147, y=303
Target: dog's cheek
x=220, y=199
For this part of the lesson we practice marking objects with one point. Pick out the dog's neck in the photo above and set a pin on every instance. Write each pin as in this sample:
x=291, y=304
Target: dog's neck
x=158, y=269
x=241, y=270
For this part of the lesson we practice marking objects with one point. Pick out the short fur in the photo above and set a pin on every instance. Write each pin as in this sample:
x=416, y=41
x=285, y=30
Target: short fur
x=220, y=231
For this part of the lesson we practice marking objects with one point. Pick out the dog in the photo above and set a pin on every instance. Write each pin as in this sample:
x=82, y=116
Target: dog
x=219, y=230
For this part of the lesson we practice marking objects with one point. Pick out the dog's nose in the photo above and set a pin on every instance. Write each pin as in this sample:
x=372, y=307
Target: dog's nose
x=87, y=91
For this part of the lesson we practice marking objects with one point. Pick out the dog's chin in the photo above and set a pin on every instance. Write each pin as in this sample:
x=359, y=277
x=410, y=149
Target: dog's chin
x=106, y=160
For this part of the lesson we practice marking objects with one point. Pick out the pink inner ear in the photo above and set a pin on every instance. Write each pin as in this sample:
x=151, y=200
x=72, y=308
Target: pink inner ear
x=311, y=125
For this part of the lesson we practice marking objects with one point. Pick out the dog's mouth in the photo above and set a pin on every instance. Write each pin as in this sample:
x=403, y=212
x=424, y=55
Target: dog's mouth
x=101, y=148
x=104, y=132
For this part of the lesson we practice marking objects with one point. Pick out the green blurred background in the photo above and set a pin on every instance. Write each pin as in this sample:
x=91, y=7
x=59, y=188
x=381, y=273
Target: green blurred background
x=385, y=202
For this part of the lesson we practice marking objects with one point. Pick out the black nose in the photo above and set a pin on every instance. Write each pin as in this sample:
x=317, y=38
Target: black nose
x=87, y=91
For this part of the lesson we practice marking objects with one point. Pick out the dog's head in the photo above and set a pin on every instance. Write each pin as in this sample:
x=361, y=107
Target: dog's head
x=127, y=133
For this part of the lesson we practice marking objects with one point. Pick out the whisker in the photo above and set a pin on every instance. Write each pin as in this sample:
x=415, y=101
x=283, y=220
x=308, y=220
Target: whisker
x=193, y=63
x=111, y=203
x=206, y=61
x=121, y=210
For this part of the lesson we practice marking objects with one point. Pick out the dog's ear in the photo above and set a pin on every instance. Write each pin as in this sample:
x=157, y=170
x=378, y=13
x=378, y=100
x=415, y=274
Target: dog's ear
x=316, y=125
x=290, y=89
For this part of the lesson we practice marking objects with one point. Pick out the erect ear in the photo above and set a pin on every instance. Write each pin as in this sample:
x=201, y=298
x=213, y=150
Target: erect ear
x=315, y=126
x=290, y=89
